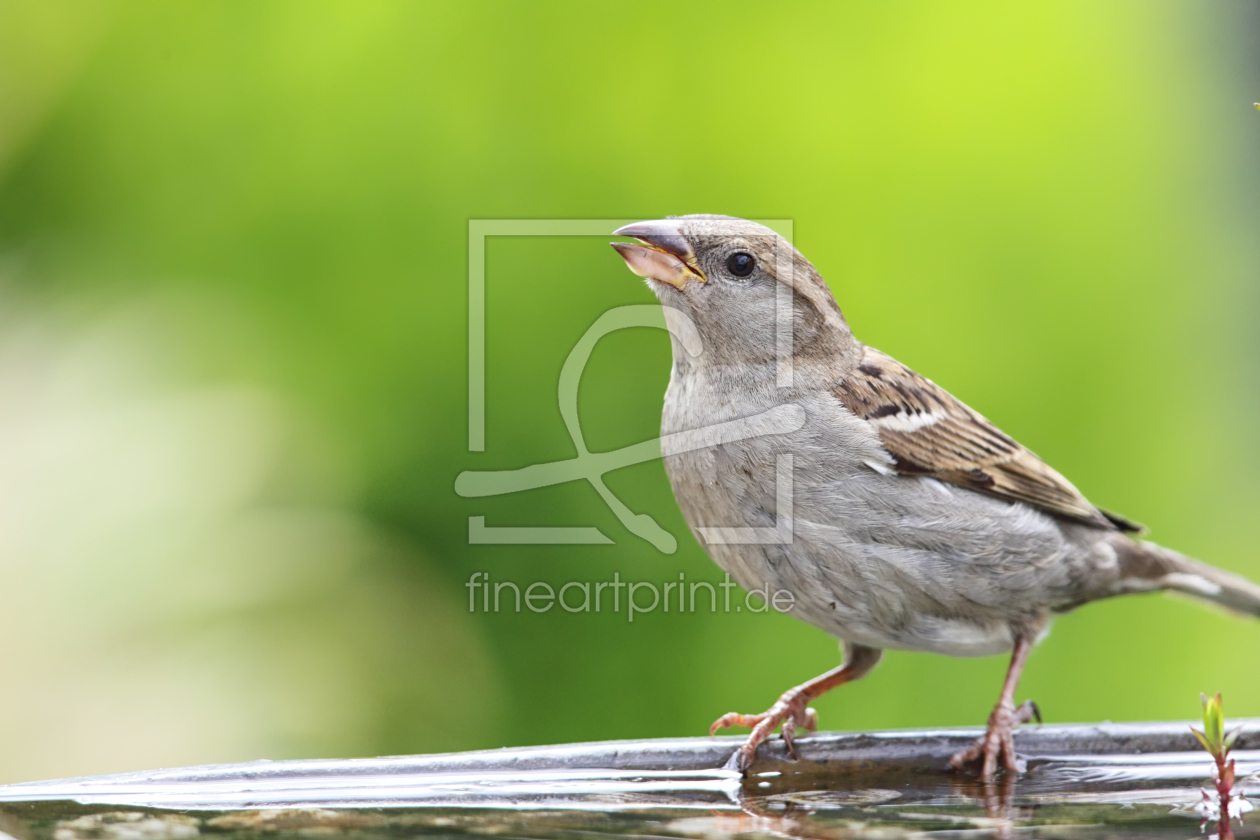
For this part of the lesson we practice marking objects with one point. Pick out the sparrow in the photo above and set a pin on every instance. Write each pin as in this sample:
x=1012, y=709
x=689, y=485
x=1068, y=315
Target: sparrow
x=912, y=522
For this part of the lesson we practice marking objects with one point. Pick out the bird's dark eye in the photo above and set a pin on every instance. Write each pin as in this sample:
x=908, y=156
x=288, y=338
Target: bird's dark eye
x=740, y=264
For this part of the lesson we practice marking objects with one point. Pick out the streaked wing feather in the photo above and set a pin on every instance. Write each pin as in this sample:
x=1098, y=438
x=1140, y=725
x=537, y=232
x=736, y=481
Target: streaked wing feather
x=929, y=432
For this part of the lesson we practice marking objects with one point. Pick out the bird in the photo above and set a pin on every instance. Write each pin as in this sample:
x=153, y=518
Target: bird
x=914, y=523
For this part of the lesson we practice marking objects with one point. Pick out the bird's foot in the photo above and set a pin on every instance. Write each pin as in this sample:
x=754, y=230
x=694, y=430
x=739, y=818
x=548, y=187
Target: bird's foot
x=791, y=711
x=998, y=741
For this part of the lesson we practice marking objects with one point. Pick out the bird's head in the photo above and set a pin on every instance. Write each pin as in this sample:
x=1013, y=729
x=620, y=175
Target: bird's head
x=730, y=276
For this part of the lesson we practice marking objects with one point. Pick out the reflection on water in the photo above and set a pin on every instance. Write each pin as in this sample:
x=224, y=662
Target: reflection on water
x=661, y=789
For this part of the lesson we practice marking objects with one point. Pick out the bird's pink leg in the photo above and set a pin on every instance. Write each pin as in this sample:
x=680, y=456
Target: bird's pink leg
x=998, y=741
x=792, y=709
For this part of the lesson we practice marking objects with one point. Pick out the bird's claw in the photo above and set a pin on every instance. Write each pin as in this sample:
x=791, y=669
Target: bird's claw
x=998, y=741
x=790, y=711
x=808, y=720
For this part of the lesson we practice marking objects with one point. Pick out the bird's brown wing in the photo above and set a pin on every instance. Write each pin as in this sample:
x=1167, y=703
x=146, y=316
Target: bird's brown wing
x=929, y=432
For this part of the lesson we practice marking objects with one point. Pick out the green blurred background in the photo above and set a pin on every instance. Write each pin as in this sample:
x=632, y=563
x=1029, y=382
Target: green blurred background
x=233, y=284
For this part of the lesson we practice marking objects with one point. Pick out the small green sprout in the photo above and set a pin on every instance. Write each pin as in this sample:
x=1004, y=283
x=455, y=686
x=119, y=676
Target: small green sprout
x=1213, y=736
x=1218, y=744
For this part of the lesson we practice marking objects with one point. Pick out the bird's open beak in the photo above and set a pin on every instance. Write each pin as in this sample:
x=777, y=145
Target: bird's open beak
x=668, y=257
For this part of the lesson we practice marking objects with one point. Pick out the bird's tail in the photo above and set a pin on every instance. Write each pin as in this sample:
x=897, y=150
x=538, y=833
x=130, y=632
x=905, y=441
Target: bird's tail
x=1147, y=566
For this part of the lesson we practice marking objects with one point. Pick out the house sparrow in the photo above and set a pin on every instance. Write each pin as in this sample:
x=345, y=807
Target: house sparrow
x=913, y=524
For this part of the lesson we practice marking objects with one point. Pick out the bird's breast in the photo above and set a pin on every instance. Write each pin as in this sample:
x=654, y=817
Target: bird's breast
x=738, y=479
